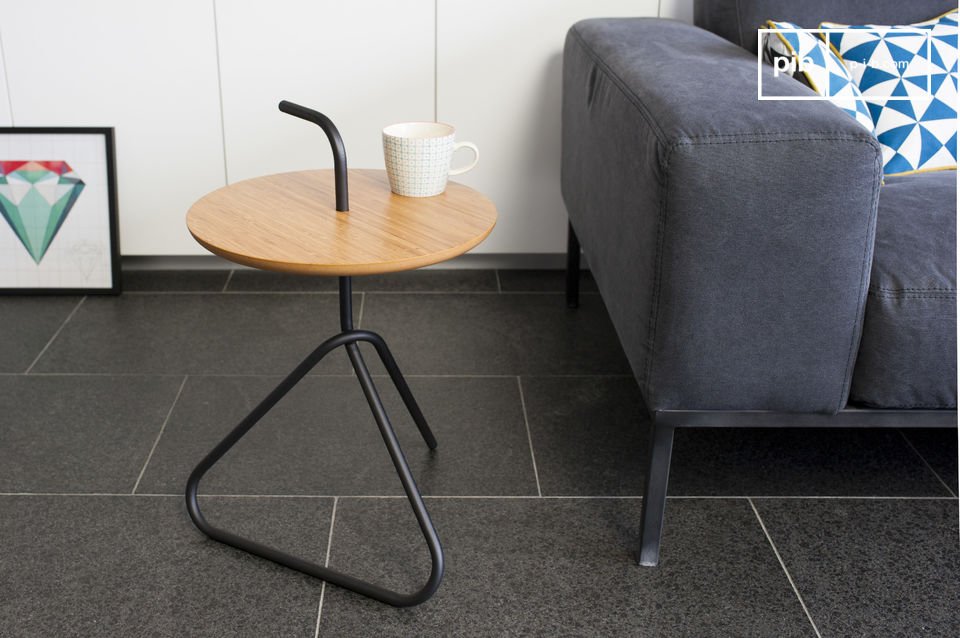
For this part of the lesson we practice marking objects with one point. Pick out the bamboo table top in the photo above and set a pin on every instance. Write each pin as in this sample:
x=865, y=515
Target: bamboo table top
x=288, y=222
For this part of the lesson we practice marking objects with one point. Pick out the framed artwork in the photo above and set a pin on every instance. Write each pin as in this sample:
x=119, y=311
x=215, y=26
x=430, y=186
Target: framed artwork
x=58, y=201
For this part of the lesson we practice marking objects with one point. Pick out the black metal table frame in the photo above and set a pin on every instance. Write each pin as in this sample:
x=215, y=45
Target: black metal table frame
x=665, y=422
x=348, y=338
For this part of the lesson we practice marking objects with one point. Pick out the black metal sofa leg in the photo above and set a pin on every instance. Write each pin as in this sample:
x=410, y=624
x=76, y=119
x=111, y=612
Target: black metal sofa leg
x=573, y=268
x=661, y=441
x=655, y=493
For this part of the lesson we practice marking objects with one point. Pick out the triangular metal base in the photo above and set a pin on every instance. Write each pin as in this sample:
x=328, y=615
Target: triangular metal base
x=348, y=339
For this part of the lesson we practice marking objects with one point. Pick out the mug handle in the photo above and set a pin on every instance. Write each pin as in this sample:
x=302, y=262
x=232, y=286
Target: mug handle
x=476, y=158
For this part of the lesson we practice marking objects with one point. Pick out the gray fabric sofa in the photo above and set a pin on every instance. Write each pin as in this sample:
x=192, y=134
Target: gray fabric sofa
x=757, y=269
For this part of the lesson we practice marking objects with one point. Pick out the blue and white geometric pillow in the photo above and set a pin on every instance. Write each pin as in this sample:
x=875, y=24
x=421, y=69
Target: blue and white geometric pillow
x=908, y=76
x=818, y=67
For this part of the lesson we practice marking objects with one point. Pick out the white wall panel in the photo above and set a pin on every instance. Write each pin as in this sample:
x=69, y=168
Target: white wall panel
x=363, y=63
x=152, y=72
x=499, y=82
x=147, y=69
x=677, y=9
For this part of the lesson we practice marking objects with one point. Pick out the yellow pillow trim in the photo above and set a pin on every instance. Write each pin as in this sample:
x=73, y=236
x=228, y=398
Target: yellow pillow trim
x=776, y=29
x=945, y=13
x=923, y=170
x=827, y=41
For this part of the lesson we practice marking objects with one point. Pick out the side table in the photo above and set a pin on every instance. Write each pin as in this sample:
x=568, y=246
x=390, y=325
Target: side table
x=286, y=223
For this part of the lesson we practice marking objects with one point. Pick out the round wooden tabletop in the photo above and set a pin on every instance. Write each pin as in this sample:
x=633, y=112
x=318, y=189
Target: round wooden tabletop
x=288, y=222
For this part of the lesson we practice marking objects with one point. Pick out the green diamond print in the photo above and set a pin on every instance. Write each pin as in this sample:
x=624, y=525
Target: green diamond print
x=35, y=199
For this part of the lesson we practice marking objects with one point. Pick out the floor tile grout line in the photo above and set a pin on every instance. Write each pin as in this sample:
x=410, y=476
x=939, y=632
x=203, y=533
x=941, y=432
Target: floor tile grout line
x=227, y=282
x=117, y=374
x=326, y=563
x=237, y=293
x=560, y=497
x=316, y=627
x=496, y=272
x=163, y=427
x=318, y=375
x=829, y=497
x=518, y=293
x=332, y=293
x=526, y=423
x=925, y=462
x=87, y=494
x=57, y=333
x=333, y=521
x=468, y=497
x=784, y=566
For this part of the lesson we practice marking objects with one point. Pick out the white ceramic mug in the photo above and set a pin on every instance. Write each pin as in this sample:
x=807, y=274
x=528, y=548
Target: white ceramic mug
x=418, y=154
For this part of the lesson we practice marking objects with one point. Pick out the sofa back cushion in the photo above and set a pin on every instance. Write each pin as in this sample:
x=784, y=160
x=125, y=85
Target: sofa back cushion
x=738, y=20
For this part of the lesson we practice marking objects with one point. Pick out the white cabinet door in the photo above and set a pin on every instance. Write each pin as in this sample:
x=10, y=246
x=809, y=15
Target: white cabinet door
x=147, y=69
x=363, y=63
x=498, y=82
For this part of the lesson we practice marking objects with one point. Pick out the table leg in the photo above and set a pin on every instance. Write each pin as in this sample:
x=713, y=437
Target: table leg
x=348, y=338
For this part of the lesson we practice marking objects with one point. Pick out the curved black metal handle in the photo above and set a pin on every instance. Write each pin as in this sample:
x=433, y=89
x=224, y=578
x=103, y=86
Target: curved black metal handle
x=336, y=145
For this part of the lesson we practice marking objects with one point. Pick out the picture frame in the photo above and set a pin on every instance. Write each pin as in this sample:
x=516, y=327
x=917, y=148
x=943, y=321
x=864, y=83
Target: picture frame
x=58, y=211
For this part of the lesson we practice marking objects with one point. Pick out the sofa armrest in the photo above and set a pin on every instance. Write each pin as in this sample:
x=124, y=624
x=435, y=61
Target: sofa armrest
x=731, y=238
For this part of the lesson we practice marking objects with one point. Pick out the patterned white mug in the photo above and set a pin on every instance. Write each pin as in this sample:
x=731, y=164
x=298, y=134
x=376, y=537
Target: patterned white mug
x=418, y=154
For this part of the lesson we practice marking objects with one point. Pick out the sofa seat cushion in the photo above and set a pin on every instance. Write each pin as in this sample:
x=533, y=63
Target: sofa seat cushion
x=908, y=352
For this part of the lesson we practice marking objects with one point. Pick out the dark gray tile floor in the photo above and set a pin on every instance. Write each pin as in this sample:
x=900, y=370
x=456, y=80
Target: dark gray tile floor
x=901, y=567
x=936, y=446
x=559, y=567
x=193, y=334
x=129, y=566
x=478, y=334
x=79, y=434
x=106, y=405
x=28, y=324
x=326, y=442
